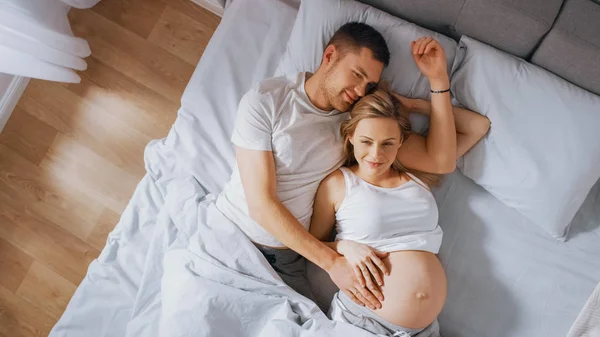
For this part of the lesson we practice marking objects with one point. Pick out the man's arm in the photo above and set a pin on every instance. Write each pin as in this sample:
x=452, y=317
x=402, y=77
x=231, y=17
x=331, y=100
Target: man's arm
x=257, y=172
x=437, y=152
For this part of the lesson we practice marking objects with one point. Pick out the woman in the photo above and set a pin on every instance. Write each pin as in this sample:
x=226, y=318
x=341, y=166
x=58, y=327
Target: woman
x=386, y=217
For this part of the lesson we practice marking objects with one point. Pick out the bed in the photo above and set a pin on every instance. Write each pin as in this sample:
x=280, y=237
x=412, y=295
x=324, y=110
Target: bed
x=505, y=277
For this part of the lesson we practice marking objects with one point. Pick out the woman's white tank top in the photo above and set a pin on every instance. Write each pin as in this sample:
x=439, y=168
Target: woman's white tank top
x=389, y=219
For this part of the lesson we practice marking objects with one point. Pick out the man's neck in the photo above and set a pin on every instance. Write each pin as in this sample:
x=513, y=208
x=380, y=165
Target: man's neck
x=316, y=97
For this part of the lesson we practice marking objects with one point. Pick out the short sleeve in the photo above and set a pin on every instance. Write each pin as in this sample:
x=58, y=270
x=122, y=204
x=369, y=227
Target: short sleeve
x=253, y=124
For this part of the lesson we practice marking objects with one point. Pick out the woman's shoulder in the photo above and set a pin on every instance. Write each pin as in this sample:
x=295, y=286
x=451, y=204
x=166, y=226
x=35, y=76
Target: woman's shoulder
x=419, y=181
x=334, y=185
x=335, y=179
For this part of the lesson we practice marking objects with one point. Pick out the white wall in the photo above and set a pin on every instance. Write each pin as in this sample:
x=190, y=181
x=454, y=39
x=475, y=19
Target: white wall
x=11, y=88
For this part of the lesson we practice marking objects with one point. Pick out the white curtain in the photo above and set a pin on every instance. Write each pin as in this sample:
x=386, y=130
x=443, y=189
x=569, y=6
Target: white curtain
x=36, y=39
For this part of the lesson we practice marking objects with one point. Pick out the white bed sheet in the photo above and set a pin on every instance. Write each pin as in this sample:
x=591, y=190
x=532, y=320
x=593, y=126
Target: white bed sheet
x=506, y=276
x=244, y=50
x=235, y=58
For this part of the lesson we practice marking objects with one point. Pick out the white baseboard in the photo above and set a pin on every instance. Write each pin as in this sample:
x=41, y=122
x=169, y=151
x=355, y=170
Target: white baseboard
x=10, y=98
x=210, y=6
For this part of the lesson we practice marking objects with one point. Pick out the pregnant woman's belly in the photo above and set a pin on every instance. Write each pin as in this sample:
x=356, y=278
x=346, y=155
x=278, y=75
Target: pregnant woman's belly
x=415, y=290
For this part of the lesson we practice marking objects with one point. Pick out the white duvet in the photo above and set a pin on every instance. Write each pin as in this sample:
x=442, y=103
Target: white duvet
x=212, y=281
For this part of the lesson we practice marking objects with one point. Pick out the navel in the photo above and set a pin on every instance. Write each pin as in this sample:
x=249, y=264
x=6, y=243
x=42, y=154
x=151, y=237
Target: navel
x=422, y=296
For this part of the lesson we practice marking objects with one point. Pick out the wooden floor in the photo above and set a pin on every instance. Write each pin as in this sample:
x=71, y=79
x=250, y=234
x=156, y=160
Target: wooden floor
x=72, y=154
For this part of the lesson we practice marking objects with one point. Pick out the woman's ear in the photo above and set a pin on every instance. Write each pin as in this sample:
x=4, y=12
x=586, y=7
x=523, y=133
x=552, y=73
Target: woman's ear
x=351, y=140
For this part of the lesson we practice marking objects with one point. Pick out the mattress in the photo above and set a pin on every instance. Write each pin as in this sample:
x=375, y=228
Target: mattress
x=505, y=276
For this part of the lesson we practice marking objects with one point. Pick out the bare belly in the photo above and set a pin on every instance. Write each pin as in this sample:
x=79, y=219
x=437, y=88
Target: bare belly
x=415, y=290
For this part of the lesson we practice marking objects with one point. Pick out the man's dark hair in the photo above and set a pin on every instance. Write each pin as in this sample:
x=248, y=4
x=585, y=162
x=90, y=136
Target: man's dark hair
x=355, y=35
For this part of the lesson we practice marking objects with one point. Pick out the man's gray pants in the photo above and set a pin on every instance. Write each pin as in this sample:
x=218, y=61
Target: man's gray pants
x=290, y=266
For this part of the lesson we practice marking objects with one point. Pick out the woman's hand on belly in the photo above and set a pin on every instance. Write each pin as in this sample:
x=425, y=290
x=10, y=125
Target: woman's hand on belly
x=366, y=262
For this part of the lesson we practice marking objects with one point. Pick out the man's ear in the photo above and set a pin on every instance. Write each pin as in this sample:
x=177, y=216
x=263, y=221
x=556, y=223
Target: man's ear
x=329, y=55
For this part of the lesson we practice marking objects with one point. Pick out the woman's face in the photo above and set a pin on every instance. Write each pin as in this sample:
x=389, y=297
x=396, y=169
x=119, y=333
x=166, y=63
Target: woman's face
x=376, y=142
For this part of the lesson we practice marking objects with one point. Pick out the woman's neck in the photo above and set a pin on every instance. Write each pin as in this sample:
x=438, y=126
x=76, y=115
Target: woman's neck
x=385, y=179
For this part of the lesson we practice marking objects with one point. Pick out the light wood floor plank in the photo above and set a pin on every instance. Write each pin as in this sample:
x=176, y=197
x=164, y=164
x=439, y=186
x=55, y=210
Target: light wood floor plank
x=37, y=191
x=27, y=230
x=132, y=55
x=192, y=10
x=48, y=244
x=33, y=144
x=134, y=104
x=138, y=16
x=20, y=319
x=72, y=163
x=84, y=120
x=46, y=290
x=14, y=264
x=182, y=35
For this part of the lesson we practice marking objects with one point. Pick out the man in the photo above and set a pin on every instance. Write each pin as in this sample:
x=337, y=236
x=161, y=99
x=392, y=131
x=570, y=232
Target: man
x=287, y=140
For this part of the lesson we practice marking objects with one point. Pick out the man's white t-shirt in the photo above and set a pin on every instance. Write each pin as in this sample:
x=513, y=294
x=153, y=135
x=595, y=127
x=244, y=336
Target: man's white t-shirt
x=306, y=143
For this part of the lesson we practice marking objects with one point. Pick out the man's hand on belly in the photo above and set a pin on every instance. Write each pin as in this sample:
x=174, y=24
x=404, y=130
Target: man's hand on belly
x=342, y=274
x=366, y=261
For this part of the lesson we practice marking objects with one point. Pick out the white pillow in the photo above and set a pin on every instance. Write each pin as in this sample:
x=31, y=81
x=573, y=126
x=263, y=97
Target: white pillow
x=318, y=20
x=542, y=154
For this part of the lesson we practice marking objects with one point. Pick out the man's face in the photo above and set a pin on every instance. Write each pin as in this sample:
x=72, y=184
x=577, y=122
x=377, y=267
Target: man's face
x=349, y=77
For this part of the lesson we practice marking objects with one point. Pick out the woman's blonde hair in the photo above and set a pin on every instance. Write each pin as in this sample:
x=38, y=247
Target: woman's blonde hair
x=381, y=103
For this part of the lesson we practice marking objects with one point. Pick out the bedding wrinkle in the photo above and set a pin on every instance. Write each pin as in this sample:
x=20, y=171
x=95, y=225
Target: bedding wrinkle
x=585, y=224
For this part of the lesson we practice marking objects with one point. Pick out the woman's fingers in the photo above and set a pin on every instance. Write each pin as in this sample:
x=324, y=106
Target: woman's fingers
x=365, y=273
x=372, y=288
x=380, y=263
x=420, y=46
x=374, y=272
x=416, y=45
x=370, y=284
x=430, y=46
x=424, y=44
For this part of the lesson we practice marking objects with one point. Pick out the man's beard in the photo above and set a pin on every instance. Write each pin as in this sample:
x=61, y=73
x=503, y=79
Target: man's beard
x=335, y=98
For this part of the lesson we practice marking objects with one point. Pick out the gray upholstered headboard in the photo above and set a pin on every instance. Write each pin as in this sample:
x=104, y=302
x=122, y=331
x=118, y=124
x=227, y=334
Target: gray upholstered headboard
x=562, y=36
